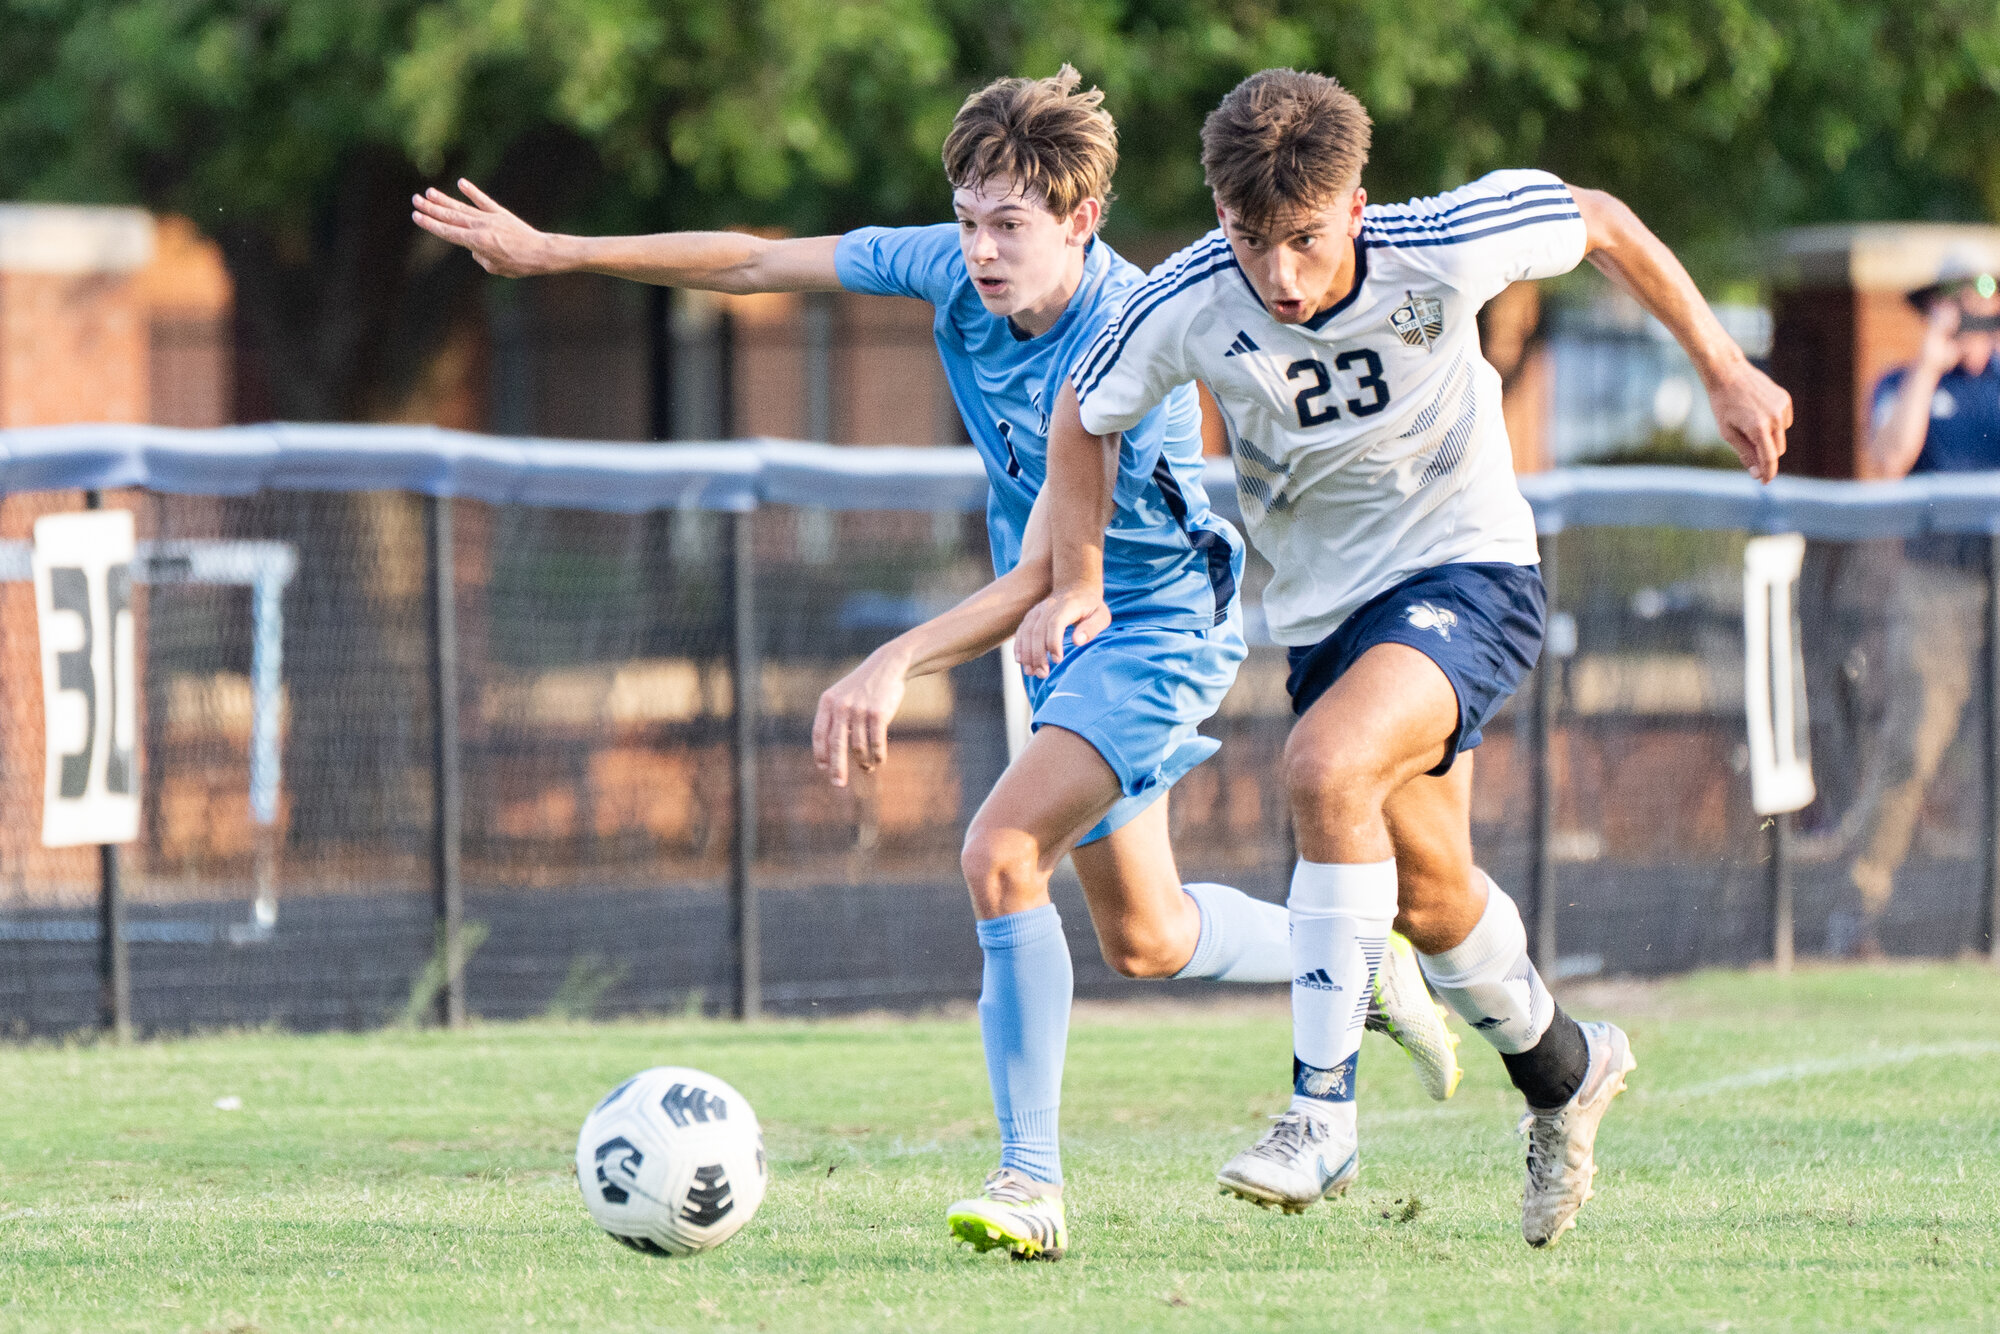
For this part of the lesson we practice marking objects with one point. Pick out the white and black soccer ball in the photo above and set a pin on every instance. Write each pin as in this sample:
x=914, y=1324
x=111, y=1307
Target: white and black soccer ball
x=672, y=1161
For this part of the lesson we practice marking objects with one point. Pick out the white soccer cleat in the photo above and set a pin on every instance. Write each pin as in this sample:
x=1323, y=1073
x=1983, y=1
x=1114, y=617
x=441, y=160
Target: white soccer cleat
x=1402, y=1008
x=1561, y=1144
x=1300, y=1160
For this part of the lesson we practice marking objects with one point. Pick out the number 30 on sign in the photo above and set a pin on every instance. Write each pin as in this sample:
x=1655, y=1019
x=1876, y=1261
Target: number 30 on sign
x=83, y=614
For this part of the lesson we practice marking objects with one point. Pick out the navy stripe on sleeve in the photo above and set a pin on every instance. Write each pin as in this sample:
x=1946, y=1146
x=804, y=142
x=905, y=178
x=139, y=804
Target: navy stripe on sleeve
x=1458, y=238
x=1393, y=213
x=1137, y=316
x=1496, y=209
x=1201, y=253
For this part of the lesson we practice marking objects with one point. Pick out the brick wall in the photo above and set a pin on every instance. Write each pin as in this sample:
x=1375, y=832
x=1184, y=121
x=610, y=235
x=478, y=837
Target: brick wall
x=73, y=348
x=72, y=319
x=190, y=331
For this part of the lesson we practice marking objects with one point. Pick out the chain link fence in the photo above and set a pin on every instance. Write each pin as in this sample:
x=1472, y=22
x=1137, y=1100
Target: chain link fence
x=605, y=637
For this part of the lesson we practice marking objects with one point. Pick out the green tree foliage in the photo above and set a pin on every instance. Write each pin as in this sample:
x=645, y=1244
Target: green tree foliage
x=294, y=130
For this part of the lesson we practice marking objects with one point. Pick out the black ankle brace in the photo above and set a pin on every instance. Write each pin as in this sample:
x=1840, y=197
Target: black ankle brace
x=1550, y=1072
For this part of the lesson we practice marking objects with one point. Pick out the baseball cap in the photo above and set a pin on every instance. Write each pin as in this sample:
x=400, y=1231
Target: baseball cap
x=1959, y=269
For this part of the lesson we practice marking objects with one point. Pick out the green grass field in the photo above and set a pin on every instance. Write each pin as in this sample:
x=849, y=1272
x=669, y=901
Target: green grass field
x=1808, y=1153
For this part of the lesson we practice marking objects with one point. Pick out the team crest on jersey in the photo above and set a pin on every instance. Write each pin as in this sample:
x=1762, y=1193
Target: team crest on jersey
x=1419, y=320
x=1430, y=616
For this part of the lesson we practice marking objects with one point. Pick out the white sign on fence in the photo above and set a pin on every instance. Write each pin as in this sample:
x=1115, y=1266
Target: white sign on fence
x=83, y=614
x=1774, y=675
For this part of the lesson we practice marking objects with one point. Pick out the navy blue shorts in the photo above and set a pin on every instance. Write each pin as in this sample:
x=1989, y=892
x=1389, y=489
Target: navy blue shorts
x=1480, y=623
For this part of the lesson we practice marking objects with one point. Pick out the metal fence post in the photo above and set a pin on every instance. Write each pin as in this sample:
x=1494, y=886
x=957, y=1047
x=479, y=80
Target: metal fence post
x=1781, y=892
x=114, y=953
x=744, y=692
x=1990, y=909
x=114, y=965
x=447, y=892
x=1541, y=832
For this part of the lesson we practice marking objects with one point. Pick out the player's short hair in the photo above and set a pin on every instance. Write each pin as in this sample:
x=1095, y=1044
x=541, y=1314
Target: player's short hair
x=1054, y=142
x=1283, y=141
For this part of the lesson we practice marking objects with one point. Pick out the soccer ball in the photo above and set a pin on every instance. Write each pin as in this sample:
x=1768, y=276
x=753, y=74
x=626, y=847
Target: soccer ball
x=671, y=1162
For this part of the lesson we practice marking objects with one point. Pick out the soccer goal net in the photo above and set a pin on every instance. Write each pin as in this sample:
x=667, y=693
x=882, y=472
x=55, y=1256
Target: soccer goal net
x=603, y=606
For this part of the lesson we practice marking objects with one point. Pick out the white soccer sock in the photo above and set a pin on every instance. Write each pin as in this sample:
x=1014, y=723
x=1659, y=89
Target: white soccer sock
x=1242, y=939
x=1340, y=919
x=1489, y=979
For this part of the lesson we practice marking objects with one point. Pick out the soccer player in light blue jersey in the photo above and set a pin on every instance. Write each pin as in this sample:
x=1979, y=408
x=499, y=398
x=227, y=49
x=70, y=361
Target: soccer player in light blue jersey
x=1022, y=286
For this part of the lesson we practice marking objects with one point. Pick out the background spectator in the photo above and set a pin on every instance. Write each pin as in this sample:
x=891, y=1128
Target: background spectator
x=1940, y=414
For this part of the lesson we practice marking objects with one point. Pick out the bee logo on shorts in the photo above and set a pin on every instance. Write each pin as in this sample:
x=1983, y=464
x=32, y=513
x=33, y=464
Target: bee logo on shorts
x=1330, y=1084
x=1419, y=321
x=1430, y=616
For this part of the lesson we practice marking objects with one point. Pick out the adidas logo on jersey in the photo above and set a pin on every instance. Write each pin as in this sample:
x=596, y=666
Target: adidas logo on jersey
x=1242, y=344
x=1419, y=321
x=1317, y=979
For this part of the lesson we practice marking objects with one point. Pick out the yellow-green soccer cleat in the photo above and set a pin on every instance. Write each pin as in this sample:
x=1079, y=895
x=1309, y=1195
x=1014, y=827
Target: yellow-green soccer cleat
x=1024, y=1216
x=1402, y=1007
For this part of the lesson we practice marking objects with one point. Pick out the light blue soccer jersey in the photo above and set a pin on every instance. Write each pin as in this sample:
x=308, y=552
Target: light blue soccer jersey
x=1168, y=561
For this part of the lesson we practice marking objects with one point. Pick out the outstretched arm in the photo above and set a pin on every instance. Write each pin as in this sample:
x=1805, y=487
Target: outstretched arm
x=1081, y=492
x=855, y=712
x=1750, y=408
x=712, y=261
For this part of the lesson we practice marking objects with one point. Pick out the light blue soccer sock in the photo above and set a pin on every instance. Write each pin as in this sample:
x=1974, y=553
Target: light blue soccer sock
x=1024, y=1024
x=1242, y=939
x=1340, y=918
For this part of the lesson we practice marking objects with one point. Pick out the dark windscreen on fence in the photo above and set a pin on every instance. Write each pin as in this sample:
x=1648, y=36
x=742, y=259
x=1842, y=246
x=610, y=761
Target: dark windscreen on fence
x=596, y=715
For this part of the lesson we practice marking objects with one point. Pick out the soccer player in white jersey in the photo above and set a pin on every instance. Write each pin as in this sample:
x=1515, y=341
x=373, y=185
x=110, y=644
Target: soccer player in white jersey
x=1022, y=287
x=1374, y=472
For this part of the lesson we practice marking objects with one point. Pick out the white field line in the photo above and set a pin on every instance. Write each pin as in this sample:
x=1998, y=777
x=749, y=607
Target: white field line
x=1763, y=1077
x=1436, y=1112
x=1870, y=1059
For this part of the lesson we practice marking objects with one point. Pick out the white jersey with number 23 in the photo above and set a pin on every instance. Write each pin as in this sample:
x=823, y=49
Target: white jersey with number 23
x=1368, y=440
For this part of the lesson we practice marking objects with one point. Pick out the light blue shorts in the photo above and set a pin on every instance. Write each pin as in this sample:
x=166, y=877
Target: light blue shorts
x=1137, y=693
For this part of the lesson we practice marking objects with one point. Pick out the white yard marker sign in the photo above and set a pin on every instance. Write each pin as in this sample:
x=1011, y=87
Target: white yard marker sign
x=1774, y=675
x=83, y=615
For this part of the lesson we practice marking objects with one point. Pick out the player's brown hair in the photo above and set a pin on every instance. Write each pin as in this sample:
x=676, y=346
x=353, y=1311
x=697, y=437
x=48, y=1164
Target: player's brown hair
x=1284, y=141
x=1054, y=142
